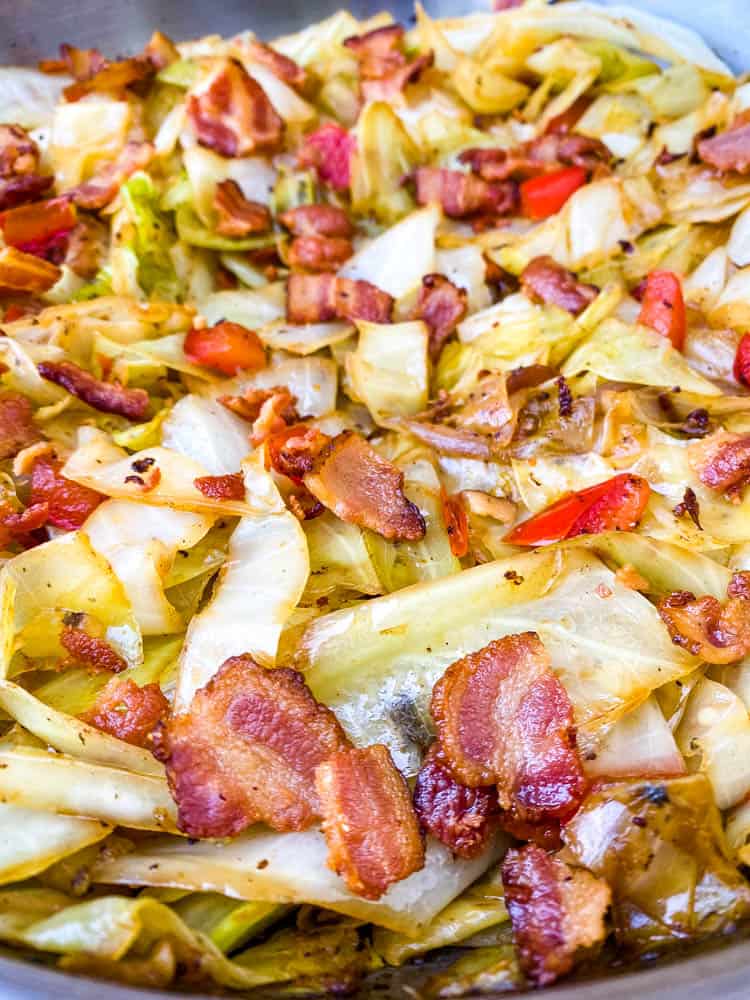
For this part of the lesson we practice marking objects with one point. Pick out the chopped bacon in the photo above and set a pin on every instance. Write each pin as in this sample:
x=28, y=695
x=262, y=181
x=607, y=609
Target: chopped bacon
x=246, y=751
x=293, y=451
x=20, y=181
x=303, y=505
x=20, y=526
x=542, y=155
x=504, y=718
x=362, y=300
x=17, y=428
x=269, y=410
x=108, y=397
x=102, y=188
x=226, y=347
x=23, y=272
x=17, y=190
x=317, y=220
x=282, y=66
x=722, y=462
x=442, y=306
x=544, y=280
x=463, y=195
x=716, y=633
x=330, y=149
x=728, y=151
x=350, y=478
x=238, y=216
x=368, y=820
x=379, y=52
x=69, y=503
x=555, y=911
x=321, y=237
x=232, y=114
x=81, y=64
x=160, y=51
x=87, y=245
x=129, y=712
x=319, y=298
x=91, y=651
x=95, y=74
x=319, y=253
x=41, y=229
x=227, y=487
x=460, y=817
x=388, y=88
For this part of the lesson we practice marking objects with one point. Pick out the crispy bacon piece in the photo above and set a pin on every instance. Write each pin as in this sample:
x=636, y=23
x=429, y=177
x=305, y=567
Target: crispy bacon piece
x=362, y=300
x=555, y=911
x=238, y=216
x=722, y=462
x=716, y=633
x=247, y=750
x=20, y=180
x=350, y=478
x=22, y=188
x=228, y=487
x=17, y=428
x=160, y=51
x=81, y=64
x=389, y=87
x=23, y=272
x=69, y=503
x=463, y=195
x=129, y=712
x=282, y=66
x=108, y=397
x=293, y=451
x=329, y=149
x=95, y=74
x=460, y=817
x=41, y=229
x=504, y=718
x=232, y=115
x=21, y=526
x=319, y=298
x=317, y=220
x=545, y=154
x=102, y=188
x=269, y=410
x=319, y=253
x=442, y=306
x=383, y=67
x=91, y=651
x=368, y=820
x=728, y=151
x=86, y=247
x=544, y=280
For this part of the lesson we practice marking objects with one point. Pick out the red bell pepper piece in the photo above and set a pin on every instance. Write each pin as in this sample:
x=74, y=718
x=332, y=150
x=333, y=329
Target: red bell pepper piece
x=614, y=505
x=39, y=227
x=227, y=348
x=544, y=195
x=663, y=307
x=457, y=525
x=742, y=361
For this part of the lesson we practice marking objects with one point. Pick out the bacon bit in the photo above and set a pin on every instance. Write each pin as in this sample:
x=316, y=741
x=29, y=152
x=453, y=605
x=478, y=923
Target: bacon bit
x=81, y=64
x=282, y=66
x=351, y=479
x=442, y=305
x=460, y=817
x=126, y=711
x=69, y=503
x=17, y=428
x=304, y=506
x=228, y=487
x=103, y=187
x=729, y=151
x=317, y=220
x=238, y=216
x=247, y=750
x=321, y=232
x=160, y=51
x=368, y=820
x=544, y=280
x=689, y=505
x=23, y=272
x=456, y=524
x=463, y=195
x=504, y=718
x=545, y=154
x=232, y=114
x=273, y=408
x=226, y=347
x=320, y=298
x=485, y=505
x=722, y=462
x=362, y=300
x=390, y=87
x=41, y=229
x=20, y=181
x=86, y=248
x=704, y=628
x=741, y=368
x=378, y=51
x=21, y=526
x=293, y=451
x=450, y=440
x=107, y=397
x=555, y=911
x=564, y=397
x=91, y=651
x=21, y=189
x=95, y=74
x=319, y=253
x=329, y=150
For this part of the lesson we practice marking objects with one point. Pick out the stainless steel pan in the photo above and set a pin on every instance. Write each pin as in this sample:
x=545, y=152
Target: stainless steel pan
x=31, y=29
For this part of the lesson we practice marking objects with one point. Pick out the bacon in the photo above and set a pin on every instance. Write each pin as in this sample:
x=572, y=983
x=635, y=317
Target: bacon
x=126, y=711
x=91, y=651
x=350, y=478
x=378, y=51
x=368, y=820
x=87, y=245
x=238, y=216
x=319, y=253
x=442, y=306
x=108, y=397
x=160, y=51
x=23, y=188
x=504, y=718
x=17, y=428
x=227, y=487
x=544, y=280
x=41, y=229
x=729, y=151
x=329, y=150
x=716, y=633
x=95, y=74
x=232, y=115
x=460, y=817
x=362, y=300
x=282, y=66
x=23, y=272
x=462, y=195
x=21, y=526
x=546, y=153
x=81, y=64
x=103, y=187
x=69, y=503
x=389, y=87
x=319, y=298
x=722, y=462
x=269, y=410
x=247, y=750
x=555, y=911
x=293, y=451
x=20, y=181
x=317, y=220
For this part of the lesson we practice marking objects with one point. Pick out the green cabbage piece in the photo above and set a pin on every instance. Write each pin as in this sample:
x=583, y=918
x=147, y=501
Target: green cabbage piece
x=230, y=923
x=191, y=230
x=152, y=238
x=385, y=155
x=489, y=970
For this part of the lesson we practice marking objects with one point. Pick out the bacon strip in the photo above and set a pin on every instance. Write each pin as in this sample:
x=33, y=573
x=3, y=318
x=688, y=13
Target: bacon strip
x=228, y=487
x=17, y=428
x=504, y=718
x=108, y=397
x=329, y=149
x=21, y=526
x=69, y=503
x=238, y=216
x=544, y=280
x=87, y=246
x=350, y=478
x=319, y=298
x=91, y=651
x=20, y=181
x=722, y=462
x=542, y=155
x=269, y=410
x=95, y=74
x=362, y=300
x=368, y=820
x=126, y=711
x=384, y=70
x=463, y=195
x=23, y=272
x=319, y=253
x=460, y=817
x=716, y=633
x=729, y=151
x=282, y=66
x=317, y=220
x=555, y=911
x=442, y=306
x=103, y=187
x=231, y=114
x=247, y=750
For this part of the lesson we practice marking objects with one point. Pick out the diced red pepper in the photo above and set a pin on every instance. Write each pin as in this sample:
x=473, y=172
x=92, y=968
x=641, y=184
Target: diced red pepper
x=69, y=503
x=742, y=361
x=663, y=307
x=227, y=348
x=614, y=505
x=545, y=195
x=39, y=227
x=13, y=312
x=457, y=525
